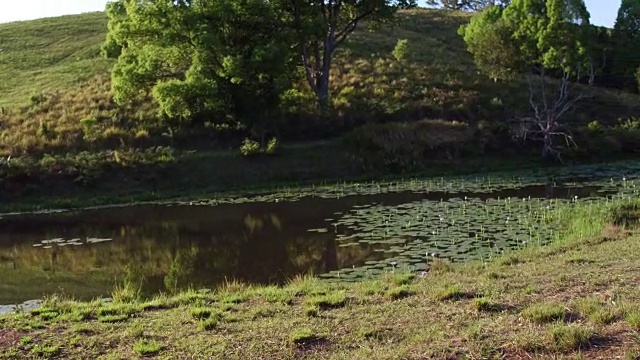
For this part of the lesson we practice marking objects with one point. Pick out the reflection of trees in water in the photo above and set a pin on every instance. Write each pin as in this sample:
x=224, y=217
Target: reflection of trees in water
x=181, y=268
x=200, y=251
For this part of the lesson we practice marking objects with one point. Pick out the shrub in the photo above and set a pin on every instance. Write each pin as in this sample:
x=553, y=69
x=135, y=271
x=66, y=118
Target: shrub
x=273, y=146
x=404, y=146
x=250, y=147
x=401, y=51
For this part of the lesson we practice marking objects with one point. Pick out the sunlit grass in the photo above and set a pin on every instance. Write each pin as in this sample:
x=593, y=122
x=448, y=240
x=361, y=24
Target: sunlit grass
x=391, y=316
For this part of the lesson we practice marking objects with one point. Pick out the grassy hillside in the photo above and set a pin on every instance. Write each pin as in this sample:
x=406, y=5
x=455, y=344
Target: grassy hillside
x=65, y=134
x=52, y=77
x=49, y=55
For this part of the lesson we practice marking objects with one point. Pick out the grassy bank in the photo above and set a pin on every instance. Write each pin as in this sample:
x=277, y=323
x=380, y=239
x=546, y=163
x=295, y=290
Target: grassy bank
x=212, y=174
x=577, y=298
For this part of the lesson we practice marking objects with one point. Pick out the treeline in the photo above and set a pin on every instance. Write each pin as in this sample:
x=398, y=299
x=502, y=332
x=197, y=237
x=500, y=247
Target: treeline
x=233, y=60
x=614, y=51
x=241, y=62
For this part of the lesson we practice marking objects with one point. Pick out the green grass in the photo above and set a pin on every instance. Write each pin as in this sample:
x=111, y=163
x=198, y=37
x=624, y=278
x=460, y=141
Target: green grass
x=450, y=292
x=463, y=311
x=633, y=319
x=544, y=313
x=301, y=336
x=147, y=347
x=35, y=62
x=597, y=312
x=333, y=300
x=400, y=292
x=46, y=351
x=568, y=338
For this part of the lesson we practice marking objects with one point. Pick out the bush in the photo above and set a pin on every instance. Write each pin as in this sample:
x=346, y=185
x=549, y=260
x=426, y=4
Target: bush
x=250, y=148
x=596, y=140
x=404, y=146
x=402, y=51
x=273, y=146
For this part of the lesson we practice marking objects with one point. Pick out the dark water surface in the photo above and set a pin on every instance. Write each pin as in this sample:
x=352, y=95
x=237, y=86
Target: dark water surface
x=84, y=254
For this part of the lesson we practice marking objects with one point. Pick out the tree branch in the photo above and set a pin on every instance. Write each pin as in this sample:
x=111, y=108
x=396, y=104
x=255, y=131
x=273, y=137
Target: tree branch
x=351, y=26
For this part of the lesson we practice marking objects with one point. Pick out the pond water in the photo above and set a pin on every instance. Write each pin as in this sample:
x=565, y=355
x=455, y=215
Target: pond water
x=340, y=232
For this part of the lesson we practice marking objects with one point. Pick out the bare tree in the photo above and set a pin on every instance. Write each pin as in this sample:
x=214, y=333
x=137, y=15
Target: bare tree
x=549, y=106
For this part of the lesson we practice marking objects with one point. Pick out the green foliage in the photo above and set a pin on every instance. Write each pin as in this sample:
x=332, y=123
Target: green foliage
x=273, y=146
x=181, y=269
x=402, y=50
x=632, y=318
x=320, y=32
x=473, y=5
x=26, y=340
x=335, y=299
x=253, y=148
x=237, y=62
x=596, y=312
x=46, y=350
x=489, y=38
x=400, y=292
x=88, y=122
x=209, y=324
x=448, y=292
x=405, y=146
x=594, y=126
x=527, y=33
x=626, y=38
x=250, y=148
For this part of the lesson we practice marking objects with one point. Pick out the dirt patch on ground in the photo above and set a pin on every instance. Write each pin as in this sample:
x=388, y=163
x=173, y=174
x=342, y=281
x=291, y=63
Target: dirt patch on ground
x=9, y=338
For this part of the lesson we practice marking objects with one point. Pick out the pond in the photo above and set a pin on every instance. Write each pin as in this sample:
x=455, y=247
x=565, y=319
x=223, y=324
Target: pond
x=343, y=231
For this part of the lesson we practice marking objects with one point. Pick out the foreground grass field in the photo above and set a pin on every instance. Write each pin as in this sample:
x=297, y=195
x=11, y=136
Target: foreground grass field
x=578, y=298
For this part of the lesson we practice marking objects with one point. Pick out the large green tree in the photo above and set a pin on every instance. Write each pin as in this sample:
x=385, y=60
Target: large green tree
x=626, y=37
x=472, y=5
x=222, y=58
x=323, y=25
x=536, y=38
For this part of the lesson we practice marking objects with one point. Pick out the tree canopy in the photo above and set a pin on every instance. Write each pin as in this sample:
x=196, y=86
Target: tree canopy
x=323, y=25
x=626, y=35
x=234, y=57
x=470, y=5
x=535, y=36
x=227, y=58
x=528, y=33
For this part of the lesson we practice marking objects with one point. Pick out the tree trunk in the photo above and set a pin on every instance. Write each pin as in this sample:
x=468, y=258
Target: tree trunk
x=547, y=146
x=324, y=100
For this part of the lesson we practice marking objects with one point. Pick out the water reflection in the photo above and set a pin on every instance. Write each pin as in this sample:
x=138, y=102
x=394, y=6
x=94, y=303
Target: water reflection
x=171, y=247
x=84, y=254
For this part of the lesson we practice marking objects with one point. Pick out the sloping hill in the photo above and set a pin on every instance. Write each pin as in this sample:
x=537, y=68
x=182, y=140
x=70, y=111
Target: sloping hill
x=52, y=77
x=50, y=54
